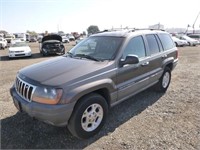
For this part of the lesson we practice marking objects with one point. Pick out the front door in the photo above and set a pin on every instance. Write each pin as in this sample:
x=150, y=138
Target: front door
x=132, y=78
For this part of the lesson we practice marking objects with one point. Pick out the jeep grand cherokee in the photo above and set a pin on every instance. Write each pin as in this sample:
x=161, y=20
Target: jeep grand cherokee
x=78, y=89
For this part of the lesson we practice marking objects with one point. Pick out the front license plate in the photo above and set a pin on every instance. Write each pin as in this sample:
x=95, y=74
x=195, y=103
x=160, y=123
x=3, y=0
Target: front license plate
x=17, y=105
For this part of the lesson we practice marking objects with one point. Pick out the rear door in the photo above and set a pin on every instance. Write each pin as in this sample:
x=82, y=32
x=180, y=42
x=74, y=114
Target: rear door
x=156, y=57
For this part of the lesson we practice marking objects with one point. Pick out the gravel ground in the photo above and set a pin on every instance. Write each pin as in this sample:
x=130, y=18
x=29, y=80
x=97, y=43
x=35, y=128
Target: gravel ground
x=148, y=120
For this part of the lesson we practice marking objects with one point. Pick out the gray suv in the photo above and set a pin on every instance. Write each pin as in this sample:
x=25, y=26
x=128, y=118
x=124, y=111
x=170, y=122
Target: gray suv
x=78, y=89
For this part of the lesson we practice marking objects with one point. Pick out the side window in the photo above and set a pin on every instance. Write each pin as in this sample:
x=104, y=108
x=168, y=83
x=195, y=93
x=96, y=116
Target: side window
x=135, y=47
x=153, y=44
x=159, y=42
x=166, y=41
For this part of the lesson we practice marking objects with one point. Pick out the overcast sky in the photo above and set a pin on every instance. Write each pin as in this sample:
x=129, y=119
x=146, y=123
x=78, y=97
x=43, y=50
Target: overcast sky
x=77, y=15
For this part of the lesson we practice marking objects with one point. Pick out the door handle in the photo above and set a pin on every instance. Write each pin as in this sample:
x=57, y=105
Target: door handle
x=164, y=56
x=145, y=64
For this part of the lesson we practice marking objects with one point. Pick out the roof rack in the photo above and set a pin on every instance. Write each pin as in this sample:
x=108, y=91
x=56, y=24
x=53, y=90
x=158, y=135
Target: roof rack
x=110, y=30
x=104, y=31
x=134, y=29
x=128, y=29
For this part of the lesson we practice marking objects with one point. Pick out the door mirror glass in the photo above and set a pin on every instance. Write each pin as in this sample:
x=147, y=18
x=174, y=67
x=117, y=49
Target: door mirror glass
x=130, y=59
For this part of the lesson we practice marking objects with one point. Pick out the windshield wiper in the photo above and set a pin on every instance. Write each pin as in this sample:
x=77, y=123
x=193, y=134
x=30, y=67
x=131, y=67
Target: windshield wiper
x=86, y=56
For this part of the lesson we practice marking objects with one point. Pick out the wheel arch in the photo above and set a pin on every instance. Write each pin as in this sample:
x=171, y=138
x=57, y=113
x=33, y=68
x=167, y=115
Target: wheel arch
x=104, y=92
x=170, y=65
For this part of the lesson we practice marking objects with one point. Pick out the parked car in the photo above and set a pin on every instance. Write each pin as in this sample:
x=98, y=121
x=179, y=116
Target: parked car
x=79, y=40
x=78, y=89
x=32, y=39
x=65, y=39
x=39, y=38
x=9, y=37
x=16, y=40
x=52, y=44
x=71, y=37
x=3, y=43
x=195, y=37
x=191, y=42
x=19, y=49
x=179, y=42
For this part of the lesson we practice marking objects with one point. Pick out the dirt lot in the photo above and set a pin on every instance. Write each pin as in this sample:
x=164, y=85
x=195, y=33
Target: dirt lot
x=149, y=120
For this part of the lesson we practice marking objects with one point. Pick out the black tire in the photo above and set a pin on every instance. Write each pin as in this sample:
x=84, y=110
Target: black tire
x=162, y=86
x=83, y=107
x=44, y=54
x=176, y=44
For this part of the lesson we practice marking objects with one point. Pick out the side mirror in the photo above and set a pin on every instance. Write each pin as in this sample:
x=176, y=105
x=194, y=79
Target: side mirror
x=130, y=59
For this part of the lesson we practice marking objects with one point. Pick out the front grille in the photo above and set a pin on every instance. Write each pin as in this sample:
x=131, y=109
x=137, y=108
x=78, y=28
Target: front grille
x=19, y=54
x=18, y=51
x=24, y=89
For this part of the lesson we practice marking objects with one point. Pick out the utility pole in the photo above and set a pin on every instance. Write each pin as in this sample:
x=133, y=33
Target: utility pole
x=195, y=22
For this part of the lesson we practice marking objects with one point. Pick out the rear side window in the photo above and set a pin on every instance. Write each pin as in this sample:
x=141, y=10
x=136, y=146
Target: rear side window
x=135, y=47
x=194, y=36
x=153, y=44
x=166, y=41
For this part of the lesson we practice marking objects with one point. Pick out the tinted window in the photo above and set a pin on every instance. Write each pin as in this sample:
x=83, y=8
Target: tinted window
x=135, y=47
x=166, y=41
x=194, y=36
x=159, y=43
x=153, y=44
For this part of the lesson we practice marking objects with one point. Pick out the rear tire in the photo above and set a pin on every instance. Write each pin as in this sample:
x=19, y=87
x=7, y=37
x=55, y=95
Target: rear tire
x=164, y=80
x=89, y=116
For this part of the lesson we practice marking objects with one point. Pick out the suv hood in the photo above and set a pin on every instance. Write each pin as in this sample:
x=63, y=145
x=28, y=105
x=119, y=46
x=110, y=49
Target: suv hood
x=52, y=37
x=62, y=70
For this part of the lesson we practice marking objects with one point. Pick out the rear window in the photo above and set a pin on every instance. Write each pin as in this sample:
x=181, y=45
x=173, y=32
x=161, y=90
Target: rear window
x=166, y=41
x=194, y=36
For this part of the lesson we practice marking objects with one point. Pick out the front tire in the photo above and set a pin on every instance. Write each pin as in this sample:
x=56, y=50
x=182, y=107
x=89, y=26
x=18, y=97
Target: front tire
x=89, y=116
x=164, y=80
x=44, y=53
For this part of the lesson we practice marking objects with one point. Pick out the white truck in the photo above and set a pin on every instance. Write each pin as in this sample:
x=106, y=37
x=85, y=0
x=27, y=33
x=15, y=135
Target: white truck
x=9, y=37
x=3, y=43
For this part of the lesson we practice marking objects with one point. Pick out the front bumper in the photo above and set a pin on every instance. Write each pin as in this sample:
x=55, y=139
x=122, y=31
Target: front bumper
x=19, y=54
x=57, y=115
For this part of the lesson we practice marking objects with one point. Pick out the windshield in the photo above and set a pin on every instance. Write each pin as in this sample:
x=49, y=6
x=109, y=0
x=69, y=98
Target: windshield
x=99, y=48
x=175, y=38
x=186, y=37
x=19, y=44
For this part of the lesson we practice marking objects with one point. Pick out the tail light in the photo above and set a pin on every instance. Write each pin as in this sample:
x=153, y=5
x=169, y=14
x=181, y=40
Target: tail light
x=177, y=53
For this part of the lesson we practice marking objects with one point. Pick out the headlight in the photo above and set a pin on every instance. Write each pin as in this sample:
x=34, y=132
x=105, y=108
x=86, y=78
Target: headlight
x=47, y=95
x=11, y=52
